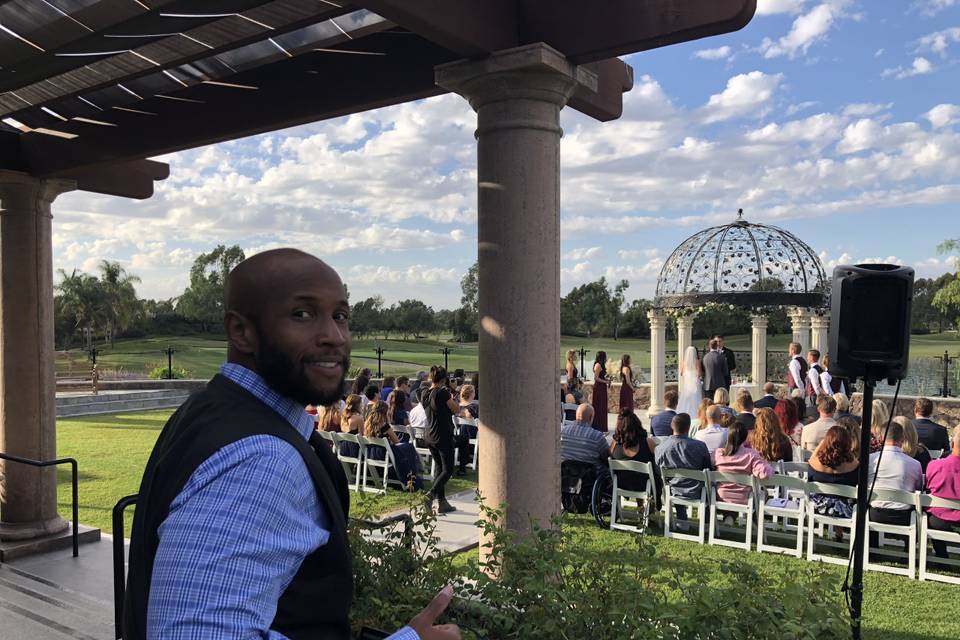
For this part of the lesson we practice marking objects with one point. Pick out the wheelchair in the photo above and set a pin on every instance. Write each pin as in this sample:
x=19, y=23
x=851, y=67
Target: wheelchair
x=583, y=489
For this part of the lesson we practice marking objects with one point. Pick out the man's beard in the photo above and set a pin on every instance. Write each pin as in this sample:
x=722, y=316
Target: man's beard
x=289, y=378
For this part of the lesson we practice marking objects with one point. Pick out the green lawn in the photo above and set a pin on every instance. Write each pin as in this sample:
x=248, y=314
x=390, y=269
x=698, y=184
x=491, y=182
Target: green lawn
x=895, y=608
x=112, y=450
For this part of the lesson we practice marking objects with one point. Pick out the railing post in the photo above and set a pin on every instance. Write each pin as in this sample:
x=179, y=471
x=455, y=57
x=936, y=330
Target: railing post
x=945, y=389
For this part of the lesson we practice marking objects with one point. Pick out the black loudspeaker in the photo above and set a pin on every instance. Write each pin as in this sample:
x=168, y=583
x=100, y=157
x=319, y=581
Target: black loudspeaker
x=870, y=321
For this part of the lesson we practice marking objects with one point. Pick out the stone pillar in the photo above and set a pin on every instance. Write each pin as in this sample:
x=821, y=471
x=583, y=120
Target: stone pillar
x=759, y=346
x=518, y=94
x=800, y=323
x=658, y=353
x=28, y=500
x=819, y=324
x=684, y=339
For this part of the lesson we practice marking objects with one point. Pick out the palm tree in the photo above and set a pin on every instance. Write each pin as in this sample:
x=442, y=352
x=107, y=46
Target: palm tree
x=81, y=299
x=121, y=305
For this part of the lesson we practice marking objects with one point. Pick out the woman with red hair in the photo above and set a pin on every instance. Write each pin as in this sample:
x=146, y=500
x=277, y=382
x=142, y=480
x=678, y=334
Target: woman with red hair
x=786, y=411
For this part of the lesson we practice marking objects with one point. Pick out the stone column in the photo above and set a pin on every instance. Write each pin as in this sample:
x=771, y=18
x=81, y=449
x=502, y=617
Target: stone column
x=684, y=339
x=28, y=500
x=819, y=324
x=518, y=94
x=759, y=346
x=658, y=353
x=800, y=324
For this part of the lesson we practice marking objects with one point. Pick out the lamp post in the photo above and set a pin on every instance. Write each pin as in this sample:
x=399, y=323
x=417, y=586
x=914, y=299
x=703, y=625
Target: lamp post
x=379, y=352
x=169, y=363
x=583, y=352
x=446, y=358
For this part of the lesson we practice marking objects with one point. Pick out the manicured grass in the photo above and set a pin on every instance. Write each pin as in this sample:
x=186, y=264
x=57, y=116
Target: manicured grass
x=112, y=451
x=895, y=608
x=202, y=356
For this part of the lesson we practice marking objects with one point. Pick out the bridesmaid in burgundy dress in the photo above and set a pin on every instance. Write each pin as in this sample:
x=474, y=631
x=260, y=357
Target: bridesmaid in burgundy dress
x=626, y=386
x=600, y=382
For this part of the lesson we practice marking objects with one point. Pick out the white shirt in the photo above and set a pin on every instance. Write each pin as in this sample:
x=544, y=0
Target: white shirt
x=814, y=379
x=826, y=379
x=795, y=372
x=418, y=417
x=897, y=471
x=714, y=436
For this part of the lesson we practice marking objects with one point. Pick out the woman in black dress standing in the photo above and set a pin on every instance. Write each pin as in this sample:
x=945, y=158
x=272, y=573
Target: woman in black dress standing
x=600, y=382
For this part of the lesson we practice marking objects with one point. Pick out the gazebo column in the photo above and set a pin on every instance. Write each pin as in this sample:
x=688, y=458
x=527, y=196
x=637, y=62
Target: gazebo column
x=759, y=346
x=684, y=337
x=800, y=324
x=28, y=496
x=658, y=353
x=518, y=94
x=819, y=325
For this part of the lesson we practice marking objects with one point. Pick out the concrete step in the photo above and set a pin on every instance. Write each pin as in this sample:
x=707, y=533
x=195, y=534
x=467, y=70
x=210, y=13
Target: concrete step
x=37, y=608
x=120, y=406
x=66, y=401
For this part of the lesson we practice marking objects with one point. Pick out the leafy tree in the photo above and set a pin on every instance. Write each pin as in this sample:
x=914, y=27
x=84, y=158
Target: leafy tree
x=366, y=316
x=80, y=301
x=119, y=298
x=203, y=299
x=587, y=307
x=635, y=323
x=466, y=319
x=413, y=317
x=947, y=299
x=470, y=286
x=617, y=298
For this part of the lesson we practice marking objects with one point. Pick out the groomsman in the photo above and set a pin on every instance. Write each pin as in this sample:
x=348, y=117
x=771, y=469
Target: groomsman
x=716, y=374
x=728, y=355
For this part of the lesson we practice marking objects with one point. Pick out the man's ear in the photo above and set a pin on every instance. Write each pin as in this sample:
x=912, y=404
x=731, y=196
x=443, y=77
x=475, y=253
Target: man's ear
x=241, y=333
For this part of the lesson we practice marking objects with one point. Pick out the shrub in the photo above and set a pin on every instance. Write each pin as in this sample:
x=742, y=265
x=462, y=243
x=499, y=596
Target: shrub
x=552, y=584
x=162, y=373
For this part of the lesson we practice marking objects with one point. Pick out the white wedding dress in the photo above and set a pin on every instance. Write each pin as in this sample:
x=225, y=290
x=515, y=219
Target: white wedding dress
x=691, y=390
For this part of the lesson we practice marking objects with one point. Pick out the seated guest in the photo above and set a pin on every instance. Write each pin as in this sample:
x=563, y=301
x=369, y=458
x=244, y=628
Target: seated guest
x=843, y=407
x=834, y=462
x=468, y=407
x=580, y=442
x=418, y=417
x=930, y=434
x=768, y=401
x=943, y=481
x=660, y=423
x=574, y=396
x=768, y=439
x=388, y=384
x=403, y=384
x=852, y=427
x=396, y=413
x=630, y=442
x=328, y=417
x=721, y=398
x=911, y=445
x=351, y=421
x=359, y=384
x=682, y=452
x=408, y=462
x=416, y=383
x=712, y=434
x=814, y=432
x=896, y=470
x=878, y=424
x=744, y=405
x=786, y=411
x=372, y=394
x=705, y=403
x=736, y=457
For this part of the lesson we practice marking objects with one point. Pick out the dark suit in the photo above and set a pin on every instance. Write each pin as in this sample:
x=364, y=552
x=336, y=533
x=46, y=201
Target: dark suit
x=660, y=423
x=931, y=435
x=748, y=419
x=716, y=374
x=766, y=402
x=730, y=358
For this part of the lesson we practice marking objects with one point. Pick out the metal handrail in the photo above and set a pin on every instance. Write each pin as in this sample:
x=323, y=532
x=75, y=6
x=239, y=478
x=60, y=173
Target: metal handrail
x=119, y=561
x=73, y=479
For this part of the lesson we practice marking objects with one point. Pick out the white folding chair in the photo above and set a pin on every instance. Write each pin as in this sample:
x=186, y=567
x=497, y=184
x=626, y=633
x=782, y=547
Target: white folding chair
x=426, y=458
x=622, y=497
x=459, y=423
x=925, y=501
x=352, y=465
x=935, y=453
x=789, y=504
x=818, y=522
x=907, y=530
x=693, y=429
x=376, y=469
x=700, y=504
x=567, y=406
x=805, y=455
x=718, y=507
x=659, y=439
x=328, y=436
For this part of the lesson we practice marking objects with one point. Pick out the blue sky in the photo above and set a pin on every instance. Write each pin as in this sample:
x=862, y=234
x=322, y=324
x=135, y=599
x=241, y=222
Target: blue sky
x=835, y=119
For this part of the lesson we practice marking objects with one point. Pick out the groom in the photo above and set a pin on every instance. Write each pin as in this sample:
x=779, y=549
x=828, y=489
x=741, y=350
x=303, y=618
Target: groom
x=716, y=373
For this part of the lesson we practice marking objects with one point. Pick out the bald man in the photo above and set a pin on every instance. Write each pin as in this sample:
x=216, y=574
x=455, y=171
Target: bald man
x=240, y=527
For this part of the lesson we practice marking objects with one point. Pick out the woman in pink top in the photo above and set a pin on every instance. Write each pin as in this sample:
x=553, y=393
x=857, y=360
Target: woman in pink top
x=734, y=457
x=943, y=481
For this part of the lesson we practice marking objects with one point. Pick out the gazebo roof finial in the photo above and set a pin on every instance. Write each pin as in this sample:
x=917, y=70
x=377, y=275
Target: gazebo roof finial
x=739, y=214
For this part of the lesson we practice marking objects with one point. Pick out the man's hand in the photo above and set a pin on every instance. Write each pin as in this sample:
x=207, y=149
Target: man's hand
x=422, y=623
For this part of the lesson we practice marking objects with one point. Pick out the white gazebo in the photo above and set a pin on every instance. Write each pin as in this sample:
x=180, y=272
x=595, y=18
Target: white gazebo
x=746, y=265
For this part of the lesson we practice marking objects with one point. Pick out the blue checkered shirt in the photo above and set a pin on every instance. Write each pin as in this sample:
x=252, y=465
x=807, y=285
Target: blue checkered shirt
x=219, y=575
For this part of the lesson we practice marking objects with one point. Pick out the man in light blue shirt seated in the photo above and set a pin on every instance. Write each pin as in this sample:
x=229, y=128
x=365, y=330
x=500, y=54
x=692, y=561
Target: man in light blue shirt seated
x=580, y=442
x=713, y=435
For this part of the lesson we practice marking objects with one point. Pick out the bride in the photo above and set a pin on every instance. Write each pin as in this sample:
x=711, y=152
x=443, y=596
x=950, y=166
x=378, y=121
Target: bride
x=691, y=390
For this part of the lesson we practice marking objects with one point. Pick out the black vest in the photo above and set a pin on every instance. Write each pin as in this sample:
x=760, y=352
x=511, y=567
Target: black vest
x=316, y=604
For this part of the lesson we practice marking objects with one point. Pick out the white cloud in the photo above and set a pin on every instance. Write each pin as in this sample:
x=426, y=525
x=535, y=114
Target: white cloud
x=745, y=94
x=720, y=53
x=860, y=109
x=582, y=253
x=920, y=66
x=933, y=7
x=939, y=41
x=802, y=106
x=878, y=53
x=943, y=114
x=634, y=254
x=807, y=30
x=771, y=7
x=822, y=128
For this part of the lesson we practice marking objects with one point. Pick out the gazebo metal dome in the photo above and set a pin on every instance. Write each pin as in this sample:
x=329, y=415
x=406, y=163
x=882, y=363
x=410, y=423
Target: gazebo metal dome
x=745, y=264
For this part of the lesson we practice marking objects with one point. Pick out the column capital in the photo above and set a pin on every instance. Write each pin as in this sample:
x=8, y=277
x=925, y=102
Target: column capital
x=759, y=321
x=657, y=318
x=531, y=72
x=20, y=191
x=684, y=321
x=819, y=321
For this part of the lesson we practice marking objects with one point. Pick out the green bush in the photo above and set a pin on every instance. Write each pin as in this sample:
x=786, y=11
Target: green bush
x=553, y=585
x=162, y=373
